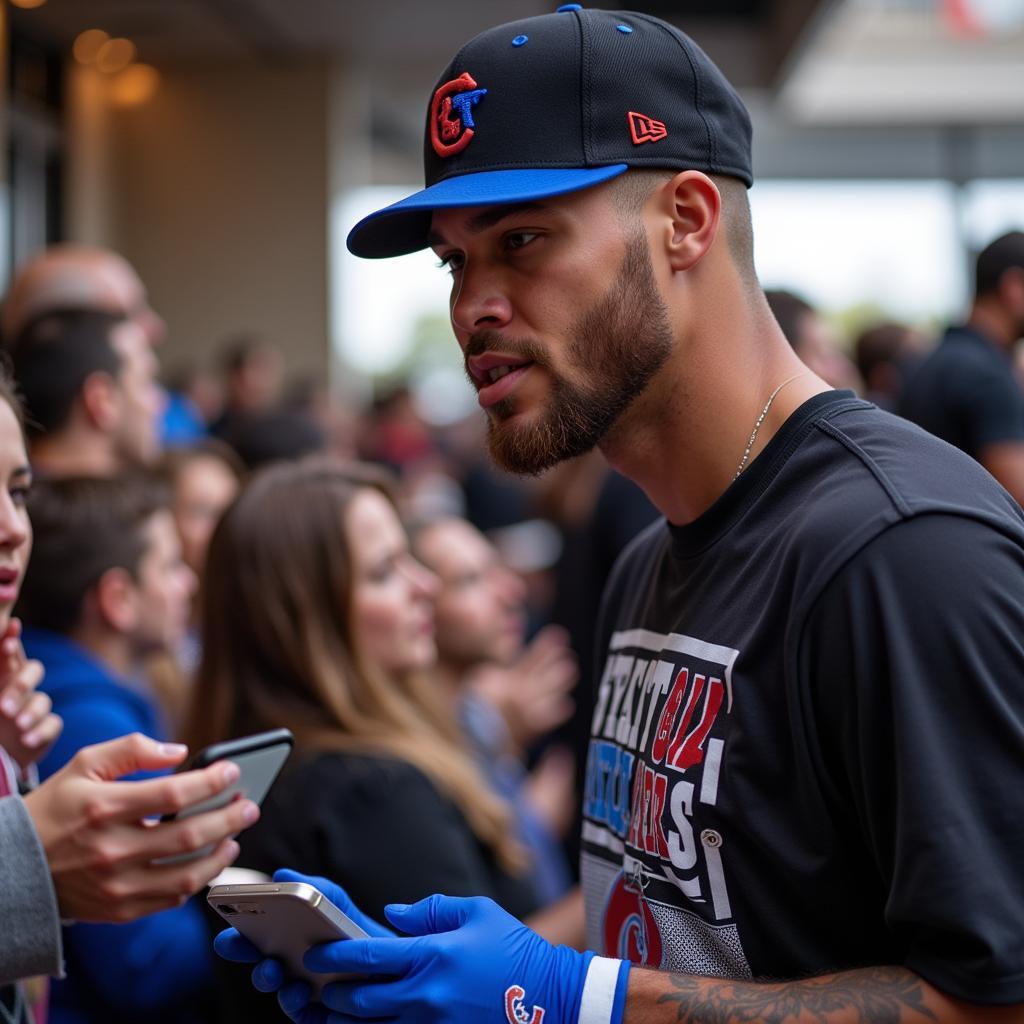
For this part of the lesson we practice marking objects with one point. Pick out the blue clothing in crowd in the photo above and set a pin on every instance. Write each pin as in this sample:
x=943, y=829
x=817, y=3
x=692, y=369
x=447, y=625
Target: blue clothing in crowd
x=159, y=968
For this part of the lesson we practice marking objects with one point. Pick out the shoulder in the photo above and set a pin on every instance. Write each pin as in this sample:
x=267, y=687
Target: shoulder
x=863, y=462
x=361, y=781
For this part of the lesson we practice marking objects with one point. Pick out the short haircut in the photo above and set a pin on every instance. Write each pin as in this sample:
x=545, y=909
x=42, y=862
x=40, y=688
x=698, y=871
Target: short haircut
x=54, y=355
x=875, y=346
x=788, y=309
x=632, y=189
x=83, y=527
x=1003, y=254
x=240, y=350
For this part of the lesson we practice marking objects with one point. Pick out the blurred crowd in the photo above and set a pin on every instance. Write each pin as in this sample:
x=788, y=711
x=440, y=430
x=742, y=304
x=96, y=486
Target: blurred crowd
x=221, y=551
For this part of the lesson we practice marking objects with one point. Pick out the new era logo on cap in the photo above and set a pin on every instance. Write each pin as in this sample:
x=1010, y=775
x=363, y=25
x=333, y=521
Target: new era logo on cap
x=645, y=129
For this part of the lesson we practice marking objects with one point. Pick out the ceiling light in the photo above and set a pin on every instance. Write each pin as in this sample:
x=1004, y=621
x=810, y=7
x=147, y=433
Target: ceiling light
x=88, y=44
x=134, y=85
x=115, y=54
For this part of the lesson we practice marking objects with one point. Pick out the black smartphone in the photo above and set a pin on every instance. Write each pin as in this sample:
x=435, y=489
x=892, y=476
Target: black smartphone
x=260, y=758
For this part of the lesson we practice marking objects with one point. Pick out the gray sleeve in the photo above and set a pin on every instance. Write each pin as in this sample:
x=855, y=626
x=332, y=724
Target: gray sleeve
x=30, y=941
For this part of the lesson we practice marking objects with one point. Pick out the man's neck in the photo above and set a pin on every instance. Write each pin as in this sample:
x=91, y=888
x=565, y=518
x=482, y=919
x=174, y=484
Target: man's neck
x=989, y=320
x=685, y=437
x=75, y=454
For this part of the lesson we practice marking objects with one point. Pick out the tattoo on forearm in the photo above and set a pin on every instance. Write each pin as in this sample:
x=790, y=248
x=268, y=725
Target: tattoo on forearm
x=878, y=995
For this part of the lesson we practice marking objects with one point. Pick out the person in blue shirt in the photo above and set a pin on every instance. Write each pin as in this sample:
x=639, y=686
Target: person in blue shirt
x=108, y=588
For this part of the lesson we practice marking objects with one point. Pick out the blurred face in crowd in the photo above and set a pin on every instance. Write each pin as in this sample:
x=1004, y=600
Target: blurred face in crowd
x=139, y=399
x=392, y=594
x=163, y=589
x=204, y=488
x=480, y=604
x=15, y=529
x=80, y=277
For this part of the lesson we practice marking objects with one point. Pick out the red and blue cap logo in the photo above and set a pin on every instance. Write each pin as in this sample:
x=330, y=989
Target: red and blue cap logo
x=451, y=115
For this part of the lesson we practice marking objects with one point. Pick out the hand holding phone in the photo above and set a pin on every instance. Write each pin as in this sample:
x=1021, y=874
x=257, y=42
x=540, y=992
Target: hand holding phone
x=259, y=758
x=283, y=920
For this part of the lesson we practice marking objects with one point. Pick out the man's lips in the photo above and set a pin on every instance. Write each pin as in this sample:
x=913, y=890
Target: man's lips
x=496, y=375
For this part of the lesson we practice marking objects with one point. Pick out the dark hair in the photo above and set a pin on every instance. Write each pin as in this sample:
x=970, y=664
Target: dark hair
x=53, y=356
x=1003, y=254
x=788, y=308
x=175, y=460
x=83, y=527
x=878, y=345
x=241, y=349
x=280, y=435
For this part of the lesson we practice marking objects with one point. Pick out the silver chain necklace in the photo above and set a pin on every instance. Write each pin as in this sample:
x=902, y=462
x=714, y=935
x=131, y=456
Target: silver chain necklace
x=760, y=420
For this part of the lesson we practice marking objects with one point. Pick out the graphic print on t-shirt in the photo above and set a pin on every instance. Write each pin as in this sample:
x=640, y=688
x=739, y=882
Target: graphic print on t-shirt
x=652, y=867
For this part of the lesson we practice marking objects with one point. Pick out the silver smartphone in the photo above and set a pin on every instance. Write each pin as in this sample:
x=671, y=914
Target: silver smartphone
x=283, y=919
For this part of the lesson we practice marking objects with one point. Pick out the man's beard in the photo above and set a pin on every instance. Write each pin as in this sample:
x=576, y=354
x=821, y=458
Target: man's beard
x=618, y=345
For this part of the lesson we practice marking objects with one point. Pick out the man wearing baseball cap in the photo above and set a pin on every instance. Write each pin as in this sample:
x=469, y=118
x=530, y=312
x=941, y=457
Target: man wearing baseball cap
x=805, y=787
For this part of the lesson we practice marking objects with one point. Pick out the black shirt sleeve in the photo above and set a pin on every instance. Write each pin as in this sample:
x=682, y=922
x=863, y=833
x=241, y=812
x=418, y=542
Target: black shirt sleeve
x=913, y=663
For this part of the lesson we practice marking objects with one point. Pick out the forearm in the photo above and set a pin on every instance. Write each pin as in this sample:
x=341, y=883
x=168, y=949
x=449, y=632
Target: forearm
x=874, y=995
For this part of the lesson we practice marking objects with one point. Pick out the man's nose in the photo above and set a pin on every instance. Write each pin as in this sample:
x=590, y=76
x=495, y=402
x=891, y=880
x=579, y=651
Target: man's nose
x=480, y=301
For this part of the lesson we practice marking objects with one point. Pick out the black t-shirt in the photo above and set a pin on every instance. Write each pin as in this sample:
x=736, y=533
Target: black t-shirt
x=966, y=393
x=807, y=748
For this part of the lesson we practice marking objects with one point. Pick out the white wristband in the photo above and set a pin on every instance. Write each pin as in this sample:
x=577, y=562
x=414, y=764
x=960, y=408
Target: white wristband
x=599, y=991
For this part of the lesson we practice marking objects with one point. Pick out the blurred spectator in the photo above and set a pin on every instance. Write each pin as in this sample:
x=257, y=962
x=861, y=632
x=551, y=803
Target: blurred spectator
x=203, y=481
x=107, y=588
x=395, y=433
x=316, y=617
x=966, y=392
x=277, y=435
x=812, y=339
x=252, y=382
x=79, y=277
x=89, y=383
x=885, y=354
x=486, y=671
x=193, y=402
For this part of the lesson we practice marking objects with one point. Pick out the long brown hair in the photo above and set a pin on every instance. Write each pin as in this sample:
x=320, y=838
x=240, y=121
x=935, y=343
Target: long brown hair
x=278, y=646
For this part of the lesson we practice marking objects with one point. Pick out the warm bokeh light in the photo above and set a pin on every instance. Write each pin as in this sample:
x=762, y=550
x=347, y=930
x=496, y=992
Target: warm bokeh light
x=28, y=4
x=134, y=85
x=88, y=45
x=115, y=54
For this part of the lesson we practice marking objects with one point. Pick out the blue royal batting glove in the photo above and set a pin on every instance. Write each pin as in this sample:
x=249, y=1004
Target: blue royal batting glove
x=467, y=961
x=268, y=975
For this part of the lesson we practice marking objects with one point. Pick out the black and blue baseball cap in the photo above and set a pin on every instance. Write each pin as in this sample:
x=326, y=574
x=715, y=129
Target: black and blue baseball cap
x=550, y=105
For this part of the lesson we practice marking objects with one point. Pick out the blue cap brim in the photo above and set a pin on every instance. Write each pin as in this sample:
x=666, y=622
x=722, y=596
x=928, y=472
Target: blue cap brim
x=403, y=227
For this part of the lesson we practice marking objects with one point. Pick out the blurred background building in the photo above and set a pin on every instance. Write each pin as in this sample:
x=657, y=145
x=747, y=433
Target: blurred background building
x=225, y=147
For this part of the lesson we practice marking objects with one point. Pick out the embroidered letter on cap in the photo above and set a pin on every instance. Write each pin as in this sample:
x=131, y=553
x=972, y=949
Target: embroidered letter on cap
x=645, y=129
x=451, y=115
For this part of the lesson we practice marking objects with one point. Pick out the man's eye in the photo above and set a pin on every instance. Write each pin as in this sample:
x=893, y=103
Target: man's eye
x=519, y=239
x=452, y=262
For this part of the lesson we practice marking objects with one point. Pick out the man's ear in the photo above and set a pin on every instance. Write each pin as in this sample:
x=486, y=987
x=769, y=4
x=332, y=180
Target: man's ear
x=99, y=400
x=117, y=600
x=692, y=207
